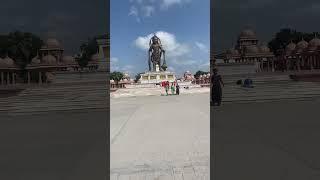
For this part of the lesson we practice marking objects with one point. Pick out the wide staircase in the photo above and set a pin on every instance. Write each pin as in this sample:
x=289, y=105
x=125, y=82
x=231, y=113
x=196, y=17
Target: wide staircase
x=268, y=88
x=57, y=97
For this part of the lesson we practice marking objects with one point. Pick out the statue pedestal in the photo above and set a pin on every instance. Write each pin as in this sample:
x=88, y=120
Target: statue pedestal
x=157, y=77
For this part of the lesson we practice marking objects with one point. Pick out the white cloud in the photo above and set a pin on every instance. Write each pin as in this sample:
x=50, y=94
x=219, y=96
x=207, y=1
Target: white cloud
x=115, y=66
x=148, y=10
x=172, y=47
x=134, y=12
x=202, y=47
x=167, y=3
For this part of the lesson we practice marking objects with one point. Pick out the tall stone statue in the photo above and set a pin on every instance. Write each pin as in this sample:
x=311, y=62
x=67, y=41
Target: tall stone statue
x=155, y=53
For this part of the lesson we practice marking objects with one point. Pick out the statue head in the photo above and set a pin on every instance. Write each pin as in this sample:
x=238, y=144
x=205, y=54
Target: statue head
x=155, y=39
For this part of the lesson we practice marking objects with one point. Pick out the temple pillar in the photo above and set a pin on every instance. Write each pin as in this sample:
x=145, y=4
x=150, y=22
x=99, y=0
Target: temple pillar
x=13, y=78
x=40, y=77
x=2, y=78
x=311, y=62
x=272, y=65
x=29, y=77
x=8, y=78
x=298, y=64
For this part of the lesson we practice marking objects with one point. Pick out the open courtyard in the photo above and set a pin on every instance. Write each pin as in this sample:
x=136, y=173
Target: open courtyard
x=160, y=137
x=267, y=140
x=56, y=131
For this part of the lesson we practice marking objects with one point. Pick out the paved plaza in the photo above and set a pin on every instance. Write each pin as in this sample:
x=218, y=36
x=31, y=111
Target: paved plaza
x=267, y=140
x=268, y=132
x=165, y=137
x=55, y=132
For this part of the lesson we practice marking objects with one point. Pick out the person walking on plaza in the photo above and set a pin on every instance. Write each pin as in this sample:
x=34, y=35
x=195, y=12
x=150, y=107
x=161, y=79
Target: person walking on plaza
x=216, y=89
x=177, y=89
x=166, y=86
x=173, y=89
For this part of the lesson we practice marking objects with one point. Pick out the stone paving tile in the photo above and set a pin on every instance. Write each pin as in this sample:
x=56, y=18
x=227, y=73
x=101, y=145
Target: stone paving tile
x=123, y=177
x=113, y=176
x=188, y=172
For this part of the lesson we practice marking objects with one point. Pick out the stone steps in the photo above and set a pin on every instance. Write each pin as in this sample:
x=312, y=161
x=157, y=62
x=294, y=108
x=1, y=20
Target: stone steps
x=56, y=98
x=267, y=91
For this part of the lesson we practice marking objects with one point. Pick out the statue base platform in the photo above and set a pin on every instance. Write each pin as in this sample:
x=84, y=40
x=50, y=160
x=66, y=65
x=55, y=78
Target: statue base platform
x=157, y=77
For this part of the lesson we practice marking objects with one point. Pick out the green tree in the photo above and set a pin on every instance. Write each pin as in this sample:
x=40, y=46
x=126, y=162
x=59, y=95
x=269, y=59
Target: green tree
x=198, y=73
x=87, y=50
x=285, y=36
x=20, y=46
x=137, y=77
x=116, y=76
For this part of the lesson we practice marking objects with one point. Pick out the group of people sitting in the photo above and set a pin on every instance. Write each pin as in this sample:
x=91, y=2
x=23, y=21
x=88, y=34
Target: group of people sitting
x=247, y=83
x=175, y=88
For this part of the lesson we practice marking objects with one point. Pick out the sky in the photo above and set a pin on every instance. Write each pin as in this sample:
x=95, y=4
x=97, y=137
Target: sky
x=71, y=22
x=182, y=25
x=265, y=17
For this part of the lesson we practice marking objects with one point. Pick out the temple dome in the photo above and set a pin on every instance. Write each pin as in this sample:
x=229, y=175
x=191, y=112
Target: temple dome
x=264, y=49
x=252, y=49
x=290, y=47
x=187, y=72
x=36, y=60
x=8, y=62
x=49, y=60
x=247, y=33
x=314, y=43
x=302, y=45
x=52, y=43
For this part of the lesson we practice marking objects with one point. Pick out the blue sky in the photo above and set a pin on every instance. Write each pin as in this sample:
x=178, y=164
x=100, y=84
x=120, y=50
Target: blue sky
x=182, y=25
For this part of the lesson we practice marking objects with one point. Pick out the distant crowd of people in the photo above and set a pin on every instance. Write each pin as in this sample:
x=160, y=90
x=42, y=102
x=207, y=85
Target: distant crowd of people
x=174, y=87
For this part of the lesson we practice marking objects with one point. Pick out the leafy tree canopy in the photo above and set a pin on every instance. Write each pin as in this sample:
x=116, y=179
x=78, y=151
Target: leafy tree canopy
x=87, y=49
x=116, y=76
x=285, y=36
x=20, y=46
x=198, y=73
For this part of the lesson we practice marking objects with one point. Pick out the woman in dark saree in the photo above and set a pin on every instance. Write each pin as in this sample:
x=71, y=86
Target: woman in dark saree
x=216, y=90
